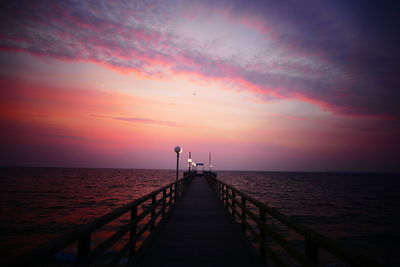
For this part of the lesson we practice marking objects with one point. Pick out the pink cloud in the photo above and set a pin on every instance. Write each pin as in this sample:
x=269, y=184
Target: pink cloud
x=134, y=37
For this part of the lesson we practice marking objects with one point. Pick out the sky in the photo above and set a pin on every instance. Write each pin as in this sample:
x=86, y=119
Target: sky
x=262, y=85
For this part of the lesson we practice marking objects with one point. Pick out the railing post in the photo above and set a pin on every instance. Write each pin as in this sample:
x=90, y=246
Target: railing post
x=227, y=198
x=153, y=212
x=175, y=192
x=171, y=196
x=132, y=232
x=262, y=235
x=224, y=194
x=178, y=189
x=164, y=193
x=243, y=215
x=233, y=204
x=84, y=250
x=311, y=250
x=220, y=191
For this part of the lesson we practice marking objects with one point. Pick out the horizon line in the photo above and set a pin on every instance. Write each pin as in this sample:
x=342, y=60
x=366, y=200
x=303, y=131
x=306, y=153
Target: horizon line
x=215, y=170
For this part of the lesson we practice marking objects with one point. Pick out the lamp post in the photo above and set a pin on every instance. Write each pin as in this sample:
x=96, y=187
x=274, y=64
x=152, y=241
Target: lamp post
x=190, y=163
x=194, y=165
x=209, y=161
x=178, y=150
x=190, y=160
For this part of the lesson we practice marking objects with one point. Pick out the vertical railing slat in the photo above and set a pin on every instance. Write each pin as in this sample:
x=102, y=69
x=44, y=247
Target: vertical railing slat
x=84, y=250
x=171, y=196
x=153, y=212
x=164, y=193
x=227, y=199
x=243, y=214
x=234, y=205
x=132, y=232
x=262, y=235
x=311, y=250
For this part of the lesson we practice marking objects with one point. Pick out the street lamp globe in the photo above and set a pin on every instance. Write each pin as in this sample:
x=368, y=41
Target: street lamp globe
x=178, y=149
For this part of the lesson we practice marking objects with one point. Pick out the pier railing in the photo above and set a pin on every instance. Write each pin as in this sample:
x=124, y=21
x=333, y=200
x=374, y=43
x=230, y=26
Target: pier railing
x=253, y=215
x=142, y=218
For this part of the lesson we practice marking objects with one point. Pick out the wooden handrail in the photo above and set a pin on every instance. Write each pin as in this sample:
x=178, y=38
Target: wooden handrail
x=114, y=260
x=313, y=240
x=82, y=235
x=123, y=230
x=276, y=236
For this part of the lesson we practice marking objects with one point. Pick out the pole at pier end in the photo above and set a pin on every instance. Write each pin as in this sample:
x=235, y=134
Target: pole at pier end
x=190, y=160
x=209, y=161
x=178, y=150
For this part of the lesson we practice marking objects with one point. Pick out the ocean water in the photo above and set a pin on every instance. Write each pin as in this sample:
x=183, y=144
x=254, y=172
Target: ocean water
x=362, y=211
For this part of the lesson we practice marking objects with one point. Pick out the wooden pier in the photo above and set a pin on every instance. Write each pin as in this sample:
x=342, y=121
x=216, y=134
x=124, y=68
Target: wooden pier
x=199, y=233
x=196, y=221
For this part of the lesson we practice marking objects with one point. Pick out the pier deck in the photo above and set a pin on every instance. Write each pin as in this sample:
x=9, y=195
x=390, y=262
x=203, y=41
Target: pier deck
x=199, y=233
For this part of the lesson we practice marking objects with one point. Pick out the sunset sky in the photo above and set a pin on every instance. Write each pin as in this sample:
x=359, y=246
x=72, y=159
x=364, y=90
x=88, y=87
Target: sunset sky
x=263, y=85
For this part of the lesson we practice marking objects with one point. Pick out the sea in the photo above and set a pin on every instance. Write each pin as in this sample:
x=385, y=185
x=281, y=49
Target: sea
x=359, y=210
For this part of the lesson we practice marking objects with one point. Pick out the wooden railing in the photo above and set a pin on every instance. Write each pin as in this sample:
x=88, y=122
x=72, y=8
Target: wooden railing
x=265, y=236
x=145, y=215
x=210, y=173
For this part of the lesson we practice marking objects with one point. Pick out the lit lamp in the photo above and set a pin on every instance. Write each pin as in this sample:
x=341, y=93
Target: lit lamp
x=178, y=150
x=190, y=163
x=210, y=167
x=190, y=160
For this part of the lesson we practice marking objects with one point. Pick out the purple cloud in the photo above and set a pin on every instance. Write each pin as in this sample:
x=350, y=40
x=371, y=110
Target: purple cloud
x=64, y=136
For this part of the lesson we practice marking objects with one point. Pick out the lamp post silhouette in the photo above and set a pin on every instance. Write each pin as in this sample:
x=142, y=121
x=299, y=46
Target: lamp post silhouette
x=209, y=161
x=178, y=150
x=190, y=163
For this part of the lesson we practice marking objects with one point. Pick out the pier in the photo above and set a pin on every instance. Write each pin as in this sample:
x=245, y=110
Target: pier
x=196, y=221
x=200, y=233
